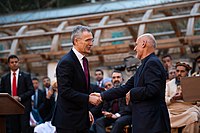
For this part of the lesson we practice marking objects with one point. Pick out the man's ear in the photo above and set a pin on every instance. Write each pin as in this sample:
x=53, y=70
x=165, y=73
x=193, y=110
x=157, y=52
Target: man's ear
x=144, y=44
x=75, y=41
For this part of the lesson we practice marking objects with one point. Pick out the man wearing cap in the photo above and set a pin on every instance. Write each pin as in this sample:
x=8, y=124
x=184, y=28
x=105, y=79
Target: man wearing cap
x=182, y=114
x=107, y=83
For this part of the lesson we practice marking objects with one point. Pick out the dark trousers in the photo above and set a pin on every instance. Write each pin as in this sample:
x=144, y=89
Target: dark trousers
x=60, y=130
x=17, y=124
x=117, y=124
x=120, y=123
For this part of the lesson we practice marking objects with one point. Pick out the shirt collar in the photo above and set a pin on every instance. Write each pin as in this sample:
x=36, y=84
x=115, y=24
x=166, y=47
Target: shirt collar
x=17, y=72
x=146, y=58
x=78, y=54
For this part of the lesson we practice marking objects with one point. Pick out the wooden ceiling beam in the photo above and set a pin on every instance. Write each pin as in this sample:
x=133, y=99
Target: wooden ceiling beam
x=7, y=31
x=126, y=24
x=97, y=33
x=133, y=33
x=157, y=8
x=99, y=48
x=56, y=42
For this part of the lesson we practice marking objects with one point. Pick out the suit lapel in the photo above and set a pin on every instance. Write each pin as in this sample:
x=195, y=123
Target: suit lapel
x=19, y=81
x=137, y=74
x=141, y=69
x=9, y=83
x=78, y=65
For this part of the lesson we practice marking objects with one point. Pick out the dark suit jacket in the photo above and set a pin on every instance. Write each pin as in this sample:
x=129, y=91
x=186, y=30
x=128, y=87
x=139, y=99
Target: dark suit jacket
x=47, y=108
x=71, y=111
x=41, y=98
x=147, y=90
x=24, y=90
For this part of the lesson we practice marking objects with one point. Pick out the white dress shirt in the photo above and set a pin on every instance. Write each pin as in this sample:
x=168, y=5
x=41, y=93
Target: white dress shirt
x=79, y=56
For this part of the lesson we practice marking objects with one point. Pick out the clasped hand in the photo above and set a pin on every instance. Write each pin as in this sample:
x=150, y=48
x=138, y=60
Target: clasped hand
x=95, y=98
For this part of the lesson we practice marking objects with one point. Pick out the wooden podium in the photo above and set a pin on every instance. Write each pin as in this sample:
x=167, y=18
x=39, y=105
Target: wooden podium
x=8, y=106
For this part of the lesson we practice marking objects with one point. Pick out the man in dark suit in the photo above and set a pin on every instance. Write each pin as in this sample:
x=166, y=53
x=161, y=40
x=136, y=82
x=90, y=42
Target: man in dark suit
x=37, y=102
x=19, y=85
x=44, y=111
x=72, y=112
x=46, y=84
x=38, y=97
x=145, y=90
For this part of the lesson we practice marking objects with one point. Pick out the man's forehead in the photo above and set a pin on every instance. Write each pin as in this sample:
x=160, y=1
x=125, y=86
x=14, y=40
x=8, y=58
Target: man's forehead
x=46, y=79
x=13, y=59
x=116, y=74
x=180, y=67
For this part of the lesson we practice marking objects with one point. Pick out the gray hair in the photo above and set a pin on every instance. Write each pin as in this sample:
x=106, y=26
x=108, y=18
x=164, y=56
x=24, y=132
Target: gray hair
x=78, y=30
x=150, y=39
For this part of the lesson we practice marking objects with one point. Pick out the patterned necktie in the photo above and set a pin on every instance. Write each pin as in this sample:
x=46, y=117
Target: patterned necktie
x=85, y=66
x=14, y=85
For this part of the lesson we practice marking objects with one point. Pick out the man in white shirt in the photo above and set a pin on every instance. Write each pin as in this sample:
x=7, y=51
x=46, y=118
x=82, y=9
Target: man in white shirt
x=182, y=114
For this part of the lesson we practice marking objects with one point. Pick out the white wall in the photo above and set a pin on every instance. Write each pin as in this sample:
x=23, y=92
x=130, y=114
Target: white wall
x=51, y=71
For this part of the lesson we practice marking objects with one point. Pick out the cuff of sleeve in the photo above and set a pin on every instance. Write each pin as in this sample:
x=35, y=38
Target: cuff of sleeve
x=117, y=114
x=19, y=99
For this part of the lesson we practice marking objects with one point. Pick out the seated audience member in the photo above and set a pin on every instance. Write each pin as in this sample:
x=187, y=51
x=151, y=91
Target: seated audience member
x=48, y=109
x=107, y=83
x=197, y=73
x=38, y=97
x=182, y=114
x=171, y=74
x=37, y=102
x=96, y=110
x=35, y=118
x=46, y=84
x=167, y=63
x=45, y=111
x=99, y=78
x=114, y=111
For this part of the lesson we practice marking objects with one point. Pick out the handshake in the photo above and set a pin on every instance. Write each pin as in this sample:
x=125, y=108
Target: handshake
x=95, y=98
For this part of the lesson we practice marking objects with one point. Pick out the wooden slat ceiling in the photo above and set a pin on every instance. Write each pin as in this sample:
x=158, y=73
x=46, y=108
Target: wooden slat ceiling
x=175, y=26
